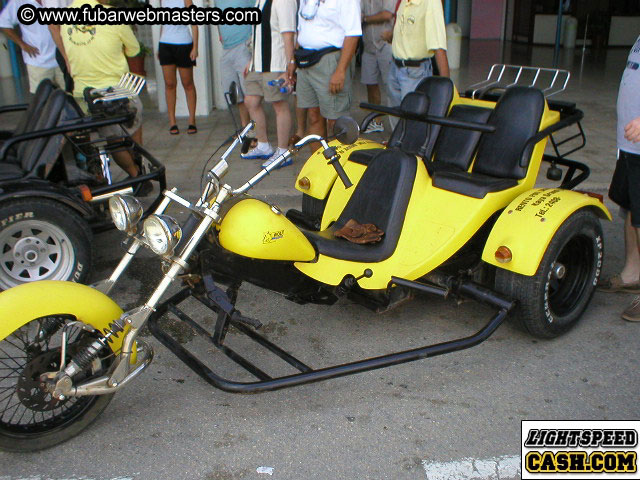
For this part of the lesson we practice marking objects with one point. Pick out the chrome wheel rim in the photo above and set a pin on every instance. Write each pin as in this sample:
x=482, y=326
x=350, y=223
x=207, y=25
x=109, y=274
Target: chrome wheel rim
x=33, y=250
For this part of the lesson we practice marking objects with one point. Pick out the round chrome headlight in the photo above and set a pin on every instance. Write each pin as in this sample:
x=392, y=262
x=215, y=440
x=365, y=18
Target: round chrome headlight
x=162, y=233
x=126, y=211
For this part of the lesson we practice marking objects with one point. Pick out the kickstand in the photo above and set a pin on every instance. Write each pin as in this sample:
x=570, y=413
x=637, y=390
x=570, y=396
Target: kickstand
x=226, y=302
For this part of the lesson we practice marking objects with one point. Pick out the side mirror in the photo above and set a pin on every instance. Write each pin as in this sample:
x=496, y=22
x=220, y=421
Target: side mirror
x=232, y=94
x=346, y=130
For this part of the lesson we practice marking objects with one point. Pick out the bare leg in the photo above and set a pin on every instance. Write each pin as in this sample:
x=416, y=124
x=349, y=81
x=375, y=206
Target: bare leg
x=373, y=94
x=137, y=136
x=631, y=271
x=124, y=159
x=254, y=106
x=330, y=124
x=186, y=77
x=301, y=120
x=317, y=123
x=244, y=114
x=169, y=74
x=317, y=126
x=283, y=122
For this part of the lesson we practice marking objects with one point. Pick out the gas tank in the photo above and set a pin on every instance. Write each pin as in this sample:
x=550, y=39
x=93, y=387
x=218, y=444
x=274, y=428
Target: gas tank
x=255, y=229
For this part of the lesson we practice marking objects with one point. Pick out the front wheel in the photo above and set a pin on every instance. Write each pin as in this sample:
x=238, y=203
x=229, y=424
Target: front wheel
x=30, y=418
x=41, y=239
x=552, y=301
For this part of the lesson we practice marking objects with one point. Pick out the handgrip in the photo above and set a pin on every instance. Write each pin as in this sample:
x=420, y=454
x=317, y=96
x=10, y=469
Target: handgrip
x=331, y=154
x=342, y=174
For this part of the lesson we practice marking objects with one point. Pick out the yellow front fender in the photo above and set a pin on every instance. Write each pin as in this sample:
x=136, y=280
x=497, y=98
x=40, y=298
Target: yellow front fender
x=529, y=222
x=19, y=305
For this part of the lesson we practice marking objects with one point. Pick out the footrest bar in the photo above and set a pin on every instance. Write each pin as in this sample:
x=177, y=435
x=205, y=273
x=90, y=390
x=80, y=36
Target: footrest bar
x=236, y=357
x=337, y=370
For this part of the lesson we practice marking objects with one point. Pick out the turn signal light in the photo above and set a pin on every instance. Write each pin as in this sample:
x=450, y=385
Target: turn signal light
x=503, y=254
x=85, y=191
x=304, y=183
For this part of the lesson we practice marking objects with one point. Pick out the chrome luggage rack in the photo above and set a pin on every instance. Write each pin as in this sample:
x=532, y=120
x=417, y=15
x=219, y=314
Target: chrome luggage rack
x=550, y=80
x=130, y=85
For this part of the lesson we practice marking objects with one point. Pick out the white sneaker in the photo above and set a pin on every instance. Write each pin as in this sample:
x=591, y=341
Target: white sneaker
x=374, y=127
x=258, y=153
x=273, y=158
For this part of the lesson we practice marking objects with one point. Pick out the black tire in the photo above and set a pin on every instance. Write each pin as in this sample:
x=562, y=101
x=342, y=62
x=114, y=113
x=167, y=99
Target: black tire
x=313, y=208
x=550, y=303
x=30, y=419
x=42, y=239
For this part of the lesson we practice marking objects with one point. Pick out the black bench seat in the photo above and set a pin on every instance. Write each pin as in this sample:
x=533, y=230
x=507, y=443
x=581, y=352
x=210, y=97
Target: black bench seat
x=381, y=197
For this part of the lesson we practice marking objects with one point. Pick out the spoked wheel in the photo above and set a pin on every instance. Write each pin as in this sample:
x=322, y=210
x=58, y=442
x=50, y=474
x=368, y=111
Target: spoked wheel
x=30, y=418
x=553, y=300
x=42, y=240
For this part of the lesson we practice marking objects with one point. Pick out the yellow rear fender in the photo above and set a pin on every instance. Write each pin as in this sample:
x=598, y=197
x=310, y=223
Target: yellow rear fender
x=527, y=225
x=19, y=305
x=317, y=177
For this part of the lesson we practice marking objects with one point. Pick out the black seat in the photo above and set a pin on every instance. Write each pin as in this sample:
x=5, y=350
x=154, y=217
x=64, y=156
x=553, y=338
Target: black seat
x=381, y=197
x=455, y=147
x=30, y=116
x=33, y=112
x=501, y=159
x=412, y=136
x=35, y=153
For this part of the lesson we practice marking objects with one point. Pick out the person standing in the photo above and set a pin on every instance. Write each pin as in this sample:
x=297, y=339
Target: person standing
x=419, y=38
x=377, y=17
x=328, y=32
x=236, y=54
x=178, y=50
x=97, y=57
x=272, y=50
x=625, y=184
x=35, y=41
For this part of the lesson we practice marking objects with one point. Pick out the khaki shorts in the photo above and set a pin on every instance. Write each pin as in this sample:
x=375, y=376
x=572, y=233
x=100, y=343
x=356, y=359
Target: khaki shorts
x=116, y=130
x=256, y=83
x=376, y=65
x=37, y=74
x=312, y=89
x=232, y=65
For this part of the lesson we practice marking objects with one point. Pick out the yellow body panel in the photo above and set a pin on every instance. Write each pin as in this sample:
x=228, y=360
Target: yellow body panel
x=19, y=305
x=529, y=223
x=321, y=174
x=437, y=224
x=251, y=228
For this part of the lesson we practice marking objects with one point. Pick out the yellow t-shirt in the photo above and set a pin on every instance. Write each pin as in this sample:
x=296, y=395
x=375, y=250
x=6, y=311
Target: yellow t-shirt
x=97, y=52
x=419, y=30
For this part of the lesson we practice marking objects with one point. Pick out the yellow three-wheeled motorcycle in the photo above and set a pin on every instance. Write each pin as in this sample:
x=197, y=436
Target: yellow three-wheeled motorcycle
x=451, y=196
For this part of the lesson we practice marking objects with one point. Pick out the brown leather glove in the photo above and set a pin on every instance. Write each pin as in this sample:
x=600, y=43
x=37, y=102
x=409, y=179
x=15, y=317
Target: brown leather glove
x=359, y=233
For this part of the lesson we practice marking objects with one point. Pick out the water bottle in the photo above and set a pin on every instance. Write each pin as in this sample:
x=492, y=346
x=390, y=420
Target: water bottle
x=276, y=83
x=287, y=89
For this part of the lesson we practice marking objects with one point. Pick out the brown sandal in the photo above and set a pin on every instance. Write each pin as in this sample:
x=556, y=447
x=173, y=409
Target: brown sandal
x=294, y=139
x=615, y=284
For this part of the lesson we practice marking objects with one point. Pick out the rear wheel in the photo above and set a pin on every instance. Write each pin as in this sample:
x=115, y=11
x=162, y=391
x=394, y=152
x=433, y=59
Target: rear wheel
x=42, y=239
x=30, y=418
x=552, y=301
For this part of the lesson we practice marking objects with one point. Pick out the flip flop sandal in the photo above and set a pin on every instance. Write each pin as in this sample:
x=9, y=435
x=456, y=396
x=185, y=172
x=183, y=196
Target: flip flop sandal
x=192, y=129
x=615, y=284
x=174, y=130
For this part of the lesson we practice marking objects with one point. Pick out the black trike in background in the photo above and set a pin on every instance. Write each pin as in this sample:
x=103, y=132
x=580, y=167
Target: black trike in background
x=56, y=180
